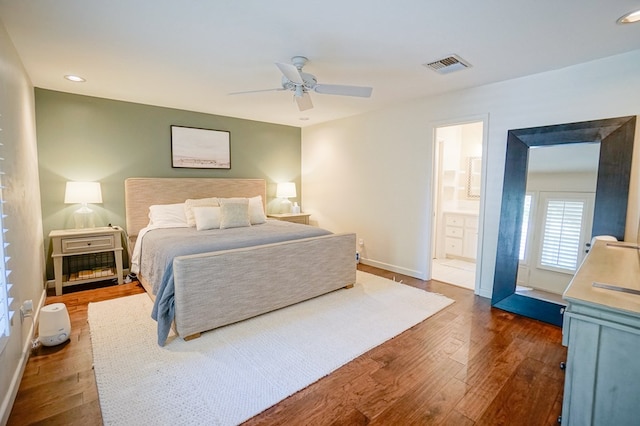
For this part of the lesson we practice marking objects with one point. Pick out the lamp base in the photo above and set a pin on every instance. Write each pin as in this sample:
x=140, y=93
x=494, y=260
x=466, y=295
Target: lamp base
x=84, y=218
x=285, y=206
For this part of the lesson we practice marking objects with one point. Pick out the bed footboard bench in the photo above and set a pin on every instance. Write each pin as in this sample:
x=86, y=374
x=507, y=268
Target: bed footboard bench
x=220, y=288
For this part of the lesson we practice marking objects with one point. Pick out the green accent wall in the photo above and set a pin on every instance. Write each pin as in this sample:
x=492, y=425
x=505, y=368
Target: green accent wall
x=82, y=138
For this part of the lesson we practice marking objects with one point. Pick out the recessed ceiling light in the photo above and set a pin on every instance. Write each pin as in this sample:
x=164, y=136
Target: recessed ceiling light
x=75, y=78
x=629, y=17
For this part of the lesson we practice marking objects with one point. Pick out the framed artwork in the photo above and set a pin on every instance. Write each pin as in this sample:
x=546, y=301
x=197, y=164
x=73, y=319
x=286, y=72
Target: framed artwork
x=200, y=148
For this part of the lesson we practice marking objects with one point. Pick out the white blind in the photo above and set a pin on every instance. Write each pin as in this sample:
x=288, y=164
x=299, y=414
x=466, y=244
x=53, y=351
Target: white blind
x=5, y=300
x=562, y=229
x=524, y=231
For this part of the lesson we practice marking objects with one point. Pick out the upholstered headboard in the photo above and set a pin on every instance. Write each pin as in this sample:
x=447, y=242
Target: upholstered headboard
x=140, y=193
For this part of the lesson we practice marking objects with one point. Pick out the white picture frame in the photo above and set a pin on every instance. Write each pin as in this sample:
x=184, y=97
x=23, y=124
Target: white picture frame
x=197, y=148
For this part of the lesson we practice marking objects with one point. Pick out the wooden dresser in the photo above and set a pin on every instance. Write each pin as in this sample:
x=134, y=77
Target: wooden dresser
x=602, y=332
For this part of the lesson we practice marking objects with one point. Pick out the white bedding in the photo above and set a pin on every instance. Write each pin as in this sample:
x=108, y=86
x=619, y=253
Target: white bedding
x=135, y=256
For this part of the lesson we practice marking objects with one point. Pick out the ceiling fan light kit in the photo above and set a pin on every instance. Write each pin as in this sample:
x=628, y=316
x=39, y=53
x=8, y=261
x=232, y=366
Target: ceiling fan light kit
x=630, y=17
x=301, y=83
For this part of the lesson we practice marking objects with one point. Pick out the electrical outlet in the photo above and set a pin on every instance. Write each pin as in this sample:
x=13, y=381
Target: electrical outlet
x=26, y=310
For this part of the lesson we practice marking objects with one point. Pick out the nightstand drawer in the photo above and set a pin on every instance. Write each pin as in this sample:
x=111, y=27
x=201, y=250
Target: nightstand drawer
x=302, y=218
x=100, y=242
x=298, y=219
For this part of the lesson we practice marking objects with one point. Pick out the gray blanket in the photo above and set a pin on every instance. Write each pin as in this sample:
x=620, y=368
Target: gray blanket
x=160, y=246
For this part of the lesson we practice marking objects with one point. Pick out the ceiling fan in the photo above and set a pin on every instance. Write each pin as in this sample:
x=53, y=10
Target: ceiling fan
x=300, y=83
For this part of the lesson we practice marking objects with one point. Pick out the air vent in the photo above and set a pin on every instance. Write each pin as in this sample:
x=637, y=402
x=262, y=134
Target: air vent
x=448, y=64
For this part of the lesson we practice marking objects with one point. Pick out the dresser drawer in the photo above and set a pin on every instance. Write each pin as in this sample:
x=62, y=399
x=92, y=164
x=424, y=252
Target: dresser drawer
x=453, y=246
x=454, y=232
x=100, y=242
x=454, y=220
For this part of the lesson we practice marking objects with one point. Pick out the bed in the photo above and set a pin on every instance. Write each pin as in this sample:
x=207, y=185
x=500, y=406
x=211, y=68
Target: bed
x=211, y=287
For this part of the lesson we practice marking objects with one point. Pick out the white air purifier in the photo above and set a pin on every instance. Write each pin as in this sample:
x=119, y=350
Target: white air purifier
x=55, y=325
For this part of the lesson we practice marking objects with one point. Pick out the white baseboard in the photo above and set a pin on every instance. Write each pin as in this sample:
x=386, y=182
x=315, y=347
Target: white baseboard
x=484, y=293
x=415, y=274
x=393, y=268
x=12, y=391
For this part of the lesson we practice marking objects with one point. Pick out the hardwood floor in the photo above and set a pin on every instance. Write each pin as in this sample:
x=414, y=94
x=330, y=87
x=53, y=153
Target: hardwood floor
x=467, y=365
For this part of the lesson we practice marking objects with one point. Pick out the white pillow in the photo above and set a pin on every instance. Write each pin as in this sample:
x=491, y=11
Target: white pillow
x=190, y=204
x=234, y=213
x=207, y=217
x=256, y=208
x=167, y=215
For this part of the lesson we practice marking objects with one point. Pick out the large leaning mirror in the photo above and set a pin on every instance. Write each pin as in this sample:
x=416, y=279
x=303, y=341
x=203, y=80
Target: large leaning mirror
x=613, y=140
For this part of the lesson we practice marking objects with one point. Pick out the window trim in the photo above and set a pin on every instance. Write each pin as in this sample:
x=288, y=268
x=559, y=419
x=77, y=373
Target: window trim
x=525, y=245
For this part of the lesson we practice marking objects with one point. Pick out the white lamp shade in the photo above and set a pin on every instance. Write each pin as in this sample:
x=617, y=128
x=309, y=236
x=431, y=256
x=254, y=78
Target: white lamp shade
x=83, y=192
x=286, y=190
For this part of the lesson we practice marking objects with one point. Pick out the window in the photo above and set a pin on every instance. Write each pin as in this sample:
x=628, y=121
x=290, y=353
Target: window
x=564, y=223
x=5, y=300
x=524, y=232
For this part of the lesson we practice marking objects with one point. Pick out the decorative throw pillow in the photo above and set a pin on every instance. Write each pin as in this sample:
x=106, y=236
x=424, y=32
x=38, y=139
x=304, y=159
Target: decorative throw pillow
x=167, y=215
x=256, y=210
x=234, y=213
x=191, y=203
x=207, y=217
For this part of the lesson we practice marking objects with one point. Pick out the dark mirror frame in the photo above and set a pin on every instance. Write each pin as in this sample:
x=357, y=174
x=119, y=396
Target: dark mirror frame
x=616, y=137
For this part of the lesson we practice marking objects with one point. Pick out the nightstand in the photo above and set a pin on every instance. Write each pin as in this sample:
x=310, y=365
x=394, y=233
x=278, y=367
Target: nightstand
x=302, y=218
x=86, y=255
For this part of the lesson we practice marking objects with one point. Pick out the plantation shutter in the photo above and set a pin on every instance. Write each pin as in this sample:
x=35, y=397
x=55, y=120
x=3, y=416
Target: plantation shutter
x=5, y=287
x=561, y=238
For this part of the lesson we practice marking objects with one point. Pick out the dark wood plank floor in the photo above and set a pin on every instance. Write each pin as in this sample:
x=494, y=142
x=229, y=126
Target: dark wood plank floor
x=467, y=365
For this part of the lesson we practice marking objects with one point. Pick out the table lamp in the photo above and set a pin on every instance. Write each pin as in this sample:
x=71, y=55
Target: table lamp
x=286, y=190
x=83, y=193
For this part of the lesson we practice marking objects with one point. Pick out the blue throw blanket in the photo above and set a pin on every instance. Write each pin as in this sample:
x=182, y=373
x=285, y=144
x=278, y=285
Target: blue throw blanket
x=164, y=308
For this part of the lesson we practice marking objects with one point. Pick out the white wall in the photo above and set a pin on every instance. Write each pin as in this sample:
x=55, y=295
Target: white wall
x=372, y=173
x=24, y=221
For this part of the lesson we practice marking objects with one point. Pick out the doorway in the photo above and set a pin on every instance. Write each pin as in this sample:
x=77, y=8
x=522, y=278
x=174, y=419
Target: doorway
x=458, y=178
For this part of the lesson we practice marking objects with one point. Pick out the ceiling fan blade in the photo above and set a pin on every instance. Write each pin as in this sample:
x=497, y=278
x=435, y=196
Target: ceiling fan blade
x=336, y=89
x=304, y=102
x=291, y=72
x=278, y=89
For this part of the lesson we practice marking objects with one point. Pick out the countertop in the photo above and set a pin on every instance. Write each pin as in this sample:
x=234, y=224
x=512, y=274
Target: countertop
x=608, y=263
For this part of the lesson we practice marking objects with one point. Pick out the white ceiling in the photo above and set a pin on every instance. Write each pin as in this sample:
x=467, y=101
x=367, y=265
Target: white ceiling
x=191, y=54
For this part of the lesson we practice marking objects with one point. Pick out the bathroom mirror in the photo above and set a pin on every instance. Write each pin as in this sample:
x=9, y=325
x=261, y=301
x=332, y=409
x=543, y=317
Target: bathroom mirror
x=474, y=174
x=616, y=137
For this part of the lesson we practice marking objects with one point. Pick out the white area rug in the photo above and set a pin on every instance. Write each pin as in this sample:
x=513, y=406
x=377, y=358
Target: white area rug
x=233, y=373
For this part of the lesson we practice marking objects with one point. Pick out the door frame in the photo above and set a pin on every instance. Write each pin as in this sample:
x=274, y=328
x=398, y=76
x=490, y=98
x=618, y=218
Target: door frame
x=434, y=196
